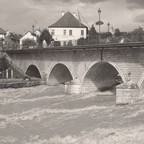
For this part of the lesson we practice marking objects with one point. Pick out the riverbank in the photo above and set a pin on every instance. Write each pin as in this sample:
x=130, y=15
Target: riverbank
x=19, y=83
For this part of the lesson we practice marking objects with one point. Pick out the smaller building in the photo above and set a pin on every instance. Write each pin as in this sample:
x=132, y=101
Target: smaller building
x=2, y=36
x=30, y=35
x=68, y=29
x=38, y=32
x=2, y=33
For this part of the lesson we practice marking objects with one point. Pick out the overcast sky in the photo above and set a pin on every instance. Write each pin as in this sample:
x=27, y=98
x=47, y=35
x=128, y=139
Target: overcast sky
x=19, y=15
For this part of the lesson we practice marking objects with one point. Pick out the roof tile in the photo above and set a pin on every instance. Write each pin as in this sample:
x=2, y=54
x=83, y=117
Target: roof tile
x=68, y=20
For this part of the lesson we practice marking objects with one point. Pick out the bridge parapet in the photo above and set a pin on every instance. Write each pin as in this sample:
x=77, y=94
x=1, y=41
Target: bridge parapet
x=80, y=47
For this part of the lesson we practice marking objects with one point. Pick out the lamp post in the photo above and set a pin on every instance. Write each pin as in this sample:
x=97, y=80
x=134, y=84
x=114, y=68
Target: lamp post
x=99, y=12
x=108, y=33
x=99, y=23
x=108, y=26
x=33, y=33
x=33, y=28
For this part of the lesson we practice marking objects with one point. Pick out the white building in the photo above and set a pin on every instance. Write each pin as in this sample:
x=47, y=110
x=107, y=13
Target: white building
x=30, y=35
x=2, y=33
x=68, y=29
x=38, y=32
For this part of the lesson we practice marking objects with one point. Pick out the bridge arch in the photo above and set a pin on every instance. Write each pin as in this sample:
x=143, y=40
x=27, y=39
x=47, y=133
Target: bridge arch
x=59, y=74
x=33, y=71
x=100, y=76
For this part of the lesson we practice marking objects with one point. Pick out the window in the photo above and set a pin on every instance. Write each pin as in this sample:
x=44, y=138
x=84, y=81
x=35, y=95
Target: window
x=53, y=32
x=64, y=32
x=82, y=32
x=64, y=43
x=70, y=32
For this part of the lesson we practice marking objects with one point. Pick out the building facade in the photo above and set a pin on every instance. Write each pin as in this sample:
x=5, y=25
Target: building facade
x=68, y=29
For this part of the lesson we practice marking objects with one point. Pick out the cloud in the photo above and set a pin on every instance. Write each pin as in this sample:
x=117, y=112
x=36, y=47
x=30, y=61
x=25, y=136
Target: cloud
x=135, y=4
x=68, y=1
x=139, y=18
x=20, y=15
x=92, y=1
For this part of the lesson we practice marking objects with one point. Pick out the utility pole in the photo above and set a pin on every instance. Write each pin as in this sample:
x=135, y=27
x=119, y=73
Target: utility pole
x=99, y=12
x=33, y=33
x=99, y=23
x=33, y=28
x=108, y=26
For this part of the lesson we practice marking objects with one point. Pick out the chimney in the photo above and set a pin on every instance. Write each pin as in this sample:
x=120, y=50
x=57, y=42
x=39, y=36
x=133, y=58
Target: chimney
x=75, y=15
x=33, y=28
x=63, y=13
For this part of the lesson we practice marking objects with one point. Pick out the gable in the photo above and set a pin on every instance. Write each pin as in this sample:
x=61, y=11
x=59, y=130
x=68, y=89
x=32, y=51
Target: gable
x=28, y=35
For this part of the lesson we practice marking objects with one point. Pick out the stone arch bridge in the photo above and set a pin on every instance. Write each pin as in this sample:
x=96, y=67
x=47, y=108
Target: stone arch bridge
x=96, y=66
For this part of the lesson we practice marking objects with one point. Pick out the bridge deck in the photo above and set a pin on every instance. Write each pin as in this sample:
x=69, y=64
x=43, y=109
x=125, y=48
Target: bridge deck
x=81, y=47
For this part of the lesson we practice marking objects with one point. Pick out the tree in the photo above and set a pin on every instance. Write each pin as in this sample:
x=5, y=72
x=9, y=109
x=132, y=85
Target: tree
x=28, y=42
x=11, y=41
x=115, y=39
x=45, y=35
x=92, y=36
x=93, y=33
x=69, y=43
x=117, y=33
x=81, y=41
x=137, y=35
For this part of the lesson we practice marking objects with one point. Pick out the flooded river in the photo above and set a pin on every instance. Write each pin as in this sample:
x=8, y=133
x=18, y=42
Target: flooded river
x=47, y=115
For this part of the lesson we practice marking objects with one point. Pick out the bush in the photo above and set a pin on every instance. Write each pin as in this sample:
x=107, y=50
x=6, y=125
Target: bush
x=57, y=43
x=28, y=42
x=81, y=41
x=69, y=43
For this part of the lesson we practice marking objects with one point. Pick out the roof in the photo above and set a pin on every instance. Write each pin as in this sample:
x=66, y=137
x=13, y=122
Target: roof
x=2, y=31
x=68, y=20
x=38, y=30
x=14, y=37
x=28, y=32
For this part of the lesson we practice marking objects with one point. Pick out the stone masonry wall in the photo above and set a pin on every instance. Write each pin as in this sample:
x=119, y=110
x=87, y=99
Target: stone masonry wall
x=78, y=62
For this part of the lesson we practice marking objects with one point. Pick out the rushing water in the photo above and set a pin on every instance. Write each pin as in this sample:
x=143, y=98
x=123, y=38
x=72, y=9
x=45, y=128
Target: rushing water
x=44, y=114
